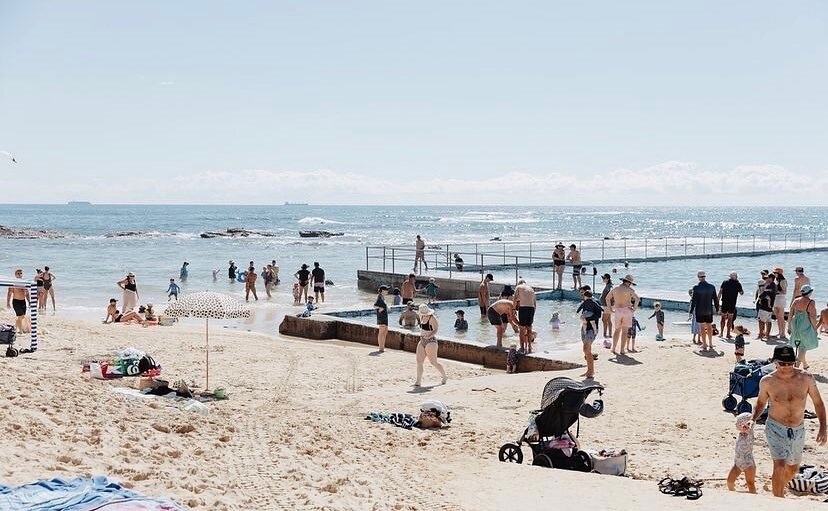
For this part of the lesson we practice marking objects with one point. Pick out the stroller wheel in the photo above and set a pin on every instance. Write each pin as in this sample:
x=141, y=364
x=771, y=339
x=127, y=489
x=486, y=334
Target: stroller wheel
x=542, y=460
x=744, y=406
x=584, y=462
x=729, y=403
x=510, y=453
x=11, y=352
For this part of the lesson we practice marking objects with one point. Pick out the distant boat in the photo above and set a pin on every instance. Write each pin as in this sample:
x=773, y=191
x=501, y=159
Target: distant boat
x=296, y=203
x=79, y=203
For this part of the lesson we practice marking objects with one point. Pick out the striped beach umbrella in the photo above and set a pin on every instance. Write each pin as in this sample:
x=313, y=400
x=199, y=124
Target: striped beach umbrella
x=208, y=305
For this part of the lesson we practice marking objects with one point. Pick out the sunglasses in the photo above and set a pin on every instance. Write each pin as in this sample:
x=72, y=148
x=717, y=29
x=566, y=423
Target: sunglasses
x=785, y=364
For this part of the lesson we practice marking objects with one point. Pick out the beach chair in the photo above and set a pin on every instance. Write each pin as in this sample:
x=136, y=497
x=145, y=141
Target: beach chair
x=549, y=435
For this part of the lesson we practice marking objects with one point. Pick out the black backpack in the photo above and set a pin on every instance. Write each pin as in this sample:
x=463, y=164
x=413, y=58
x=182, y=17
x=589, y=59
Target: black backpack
x=145, y=364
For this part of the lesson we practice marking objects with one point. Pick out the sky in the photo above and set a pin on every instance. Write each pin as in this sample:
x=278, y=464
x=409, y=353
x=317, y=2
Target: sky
x=428, y=102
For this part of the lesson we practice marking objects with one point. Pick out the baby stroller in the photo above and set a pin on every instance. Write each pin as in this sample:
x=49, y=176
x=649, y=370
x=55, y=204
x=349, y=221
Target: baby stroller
x=553, y=445
x=744, y=381
x=8, y=336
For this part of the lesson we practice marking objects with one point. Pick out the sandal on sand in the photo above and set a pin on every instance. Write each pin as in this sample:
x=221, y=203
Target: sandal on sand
x=684, y=487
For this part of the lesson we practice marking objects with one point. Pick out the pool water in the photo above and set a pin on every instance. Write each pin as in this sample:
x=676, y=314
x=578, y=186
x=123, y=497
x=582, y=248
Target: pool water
x=566, y=338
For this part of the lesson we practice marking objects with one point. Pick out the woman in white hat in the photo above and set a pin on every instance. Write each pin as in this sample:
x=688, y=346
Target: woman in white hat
x=427, y=347
x=130, y=289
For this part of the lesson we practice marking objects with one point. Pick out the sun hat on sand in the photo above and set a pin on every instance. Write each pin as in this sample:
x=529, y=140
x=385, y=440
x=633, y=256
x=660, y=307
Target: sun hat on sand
x=425, y=310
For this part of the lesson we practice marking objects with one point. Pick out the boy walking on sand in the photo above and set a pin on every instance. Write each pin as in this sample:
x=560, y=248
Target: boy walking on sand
x=173, y=290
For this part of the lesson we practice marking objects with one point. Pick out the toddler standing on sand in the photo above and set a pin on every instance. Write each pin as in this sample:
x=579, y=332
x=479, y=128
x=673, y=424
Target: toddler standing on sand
x=632, y=331
x=741, y=332
x=744, y=454
x=512, y=359
x=659, y=315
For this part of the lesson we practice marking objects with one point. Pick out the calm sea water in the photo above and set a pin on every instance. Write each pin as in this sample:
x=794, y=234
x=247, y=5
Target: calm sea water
x=88, y=263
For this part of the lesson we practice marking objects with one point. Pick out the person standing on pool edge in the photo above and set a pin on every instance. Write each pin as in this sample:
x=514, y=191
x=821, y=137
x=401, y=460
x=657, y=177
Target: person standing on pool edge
x=525, y=303
x=558, y=264
x=574, y=257
x=419, y=254
x=408, y=288
x=483, y=294
x=787, y=389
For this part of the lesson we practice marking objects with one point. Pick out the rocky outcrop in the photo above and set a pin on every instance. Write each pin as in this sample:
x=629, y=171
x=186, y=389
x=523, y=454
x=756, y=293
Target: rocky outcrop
x=29, y=234
x=236, y=233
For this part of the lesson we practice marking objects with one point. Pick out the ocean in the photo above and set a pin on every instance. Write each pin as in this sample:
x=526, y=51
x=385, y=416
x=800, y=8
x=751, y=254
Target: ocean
x=89, y=261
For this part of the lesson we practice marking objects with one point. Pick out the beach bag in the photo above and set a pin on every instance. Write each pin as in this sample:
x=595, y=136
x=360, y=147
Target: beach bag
x=145, y=364
x=609, y=465
x=7, y=334
x=440, y=409
x=809, y=479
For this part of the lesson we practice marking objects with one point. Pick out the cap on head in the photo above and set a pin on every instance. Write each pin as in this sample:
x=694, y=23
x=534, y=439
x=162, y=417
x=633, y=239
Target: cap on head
x=460, y=312
x=130, y=274
x=800, y=269
x=701, y=275
x=806, y=289
x=784, y=354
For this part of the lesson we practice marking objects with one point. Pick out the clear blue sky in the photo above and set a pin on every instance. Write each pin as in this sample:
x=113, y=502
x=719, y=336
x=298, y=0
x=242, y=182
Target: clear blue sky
x=459, y=101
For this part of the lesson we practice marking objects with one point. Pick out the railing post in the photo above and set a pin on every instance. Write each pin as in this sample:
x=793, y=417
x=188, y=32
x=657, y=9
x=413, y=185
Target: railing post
x=685, y=245
x=754, y=244
x=393, y=260
x=504, y=253
x=704, y=245
x=769, y=242
x=800, y=240
x=625, y=249
x=645, y=248
x=786, y=242
x=530, y=252
x=722, y=251
x=602, y=250
x=665, y=245
x=516, y=269
x=366, y=259
x=737, y=243
x=383, y=258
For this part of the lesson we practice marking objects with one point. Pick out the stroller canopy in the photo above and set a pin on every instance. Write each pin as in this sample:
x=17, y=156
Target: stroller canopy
x=561, y=403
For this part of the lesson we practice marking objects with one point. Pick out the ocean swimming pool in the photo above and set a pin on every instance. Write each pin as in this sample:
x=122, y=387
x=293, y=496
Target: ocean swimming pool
x=567, y=338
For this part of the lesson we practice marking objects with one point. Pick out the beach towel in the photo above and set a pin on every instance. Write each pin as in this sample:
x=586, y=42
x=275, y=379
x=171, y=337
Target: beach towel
x=400, y=420
x=80, y=494
x=809, y=480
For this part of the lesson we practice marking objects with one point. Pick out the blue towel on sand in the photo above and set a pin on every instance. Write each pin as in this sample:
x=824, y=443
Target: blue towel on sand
x=81, y=494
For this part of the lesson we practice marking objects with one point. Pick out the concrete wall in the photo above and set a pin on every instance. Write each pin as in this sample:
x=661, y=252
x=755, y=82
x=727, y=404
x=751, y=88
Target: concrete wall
x=322, y=328
x=449, y=289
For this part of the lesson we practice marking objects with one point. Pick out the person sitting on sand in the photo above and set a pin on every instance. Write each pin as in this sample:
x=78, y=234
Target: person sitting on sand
x=744, y=461
x=149, y=316
x=739, y=342
x=501, y=314
x=113, y=315
x=409, y=318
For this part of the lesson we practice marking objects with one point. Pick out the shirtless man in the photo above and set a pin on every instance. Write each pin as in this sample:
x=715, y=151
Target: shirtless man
x=483, y=294
x=800, y=280
x=623, y=301
x=48, y=286
x=419, y=253
x=787, y=389
x=501, y=314
x=409, y=318
x=574, y=257
x=18, y=298
x=525, y=304
x=408, y=289
x=558, y=264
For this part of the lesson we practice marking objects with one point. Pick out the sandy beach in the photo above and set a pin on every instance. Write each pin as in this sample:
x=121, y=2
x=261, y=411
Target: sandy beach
x=292, y=434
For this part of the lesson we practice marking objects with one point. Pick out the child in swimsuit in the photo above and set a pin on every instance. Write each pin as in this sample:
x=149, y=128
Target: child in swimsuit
x=555, y=321
x=739, y=342
x=173, y=290
x=744, y=454
x=460, y=323
x=631, y=331
x=297, y=293
x=431, y=290
x=659, y=315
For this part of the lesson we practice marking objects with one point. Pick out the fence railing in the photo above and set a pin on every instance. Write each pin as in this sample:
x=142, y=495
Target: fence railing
x=478, y=257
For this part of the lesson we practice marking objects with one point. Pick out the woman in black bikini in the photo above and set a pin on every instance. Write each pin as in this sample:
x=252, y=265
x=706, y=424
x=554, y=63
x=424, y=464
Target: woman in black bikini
x=41, y=294
x=559, y=263
x=48, y=283
x=427, y=347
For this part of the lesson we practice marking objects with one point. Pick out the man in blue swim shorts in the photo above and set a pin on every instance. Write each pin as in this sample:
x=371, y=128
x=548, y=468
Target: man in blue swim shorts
x=787, y=390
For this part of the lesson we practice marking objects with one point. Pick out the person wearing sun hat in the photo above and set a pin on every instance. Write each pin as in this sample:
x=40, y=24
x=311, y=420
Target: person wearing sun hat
x=779, y=301
x=802, y=325
x=786, y=390
x=624, y=302
x=427, y=347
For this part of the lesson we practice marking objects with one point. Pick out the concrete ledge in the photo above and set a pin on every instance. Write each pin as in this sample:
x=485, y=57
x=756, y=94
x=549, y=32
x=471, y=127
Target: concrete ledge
x=326, y=328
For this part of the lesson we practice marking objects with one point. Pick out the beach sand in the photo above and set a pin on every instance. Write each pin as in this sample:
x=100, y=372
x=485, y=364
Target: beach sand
x=292, y=434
